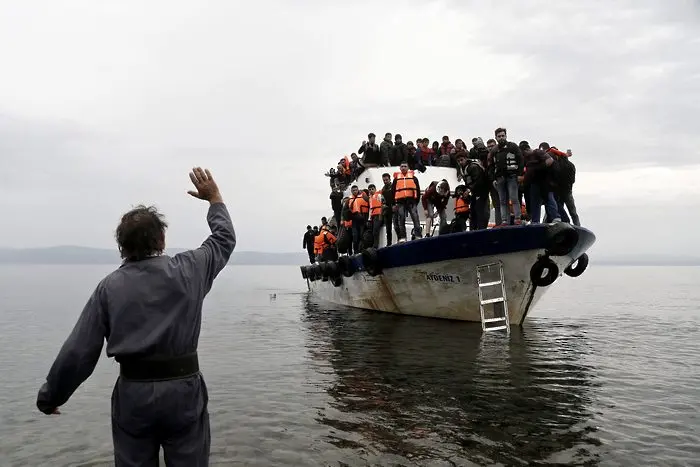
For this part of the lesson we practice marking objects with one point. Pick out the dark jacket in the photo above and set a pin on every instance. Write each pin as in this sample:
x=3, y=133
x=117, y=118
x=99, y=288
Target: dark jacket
x=480, y=153
x=501, y=157
x=385, y=151
x=371, y=154
x=388, y=194
x=566, y=175
x=475, y=178
x=537, y=169
x=308, y=242
x=399, y=154
x=444, y=160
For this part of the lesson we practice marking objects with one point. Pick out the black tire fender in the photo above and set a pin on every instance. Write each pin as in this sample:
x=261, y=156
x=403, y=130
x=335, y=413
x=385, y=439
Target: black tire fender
x=303, y=272
x=317, y=271
x=346, y=266
x=581, y=265
x=323, y=266
x=541, y=266
x=337, y=281
x=561, y=239
x=332, y=269
x=370, y=260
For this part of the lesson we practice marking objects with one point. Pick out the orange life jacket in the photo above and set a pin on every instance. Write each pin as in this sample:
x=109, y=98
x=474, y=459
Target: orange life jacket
x=375, y=205
x=322, y=241
x=405, y=186
x=359, y=205
x=461, y=206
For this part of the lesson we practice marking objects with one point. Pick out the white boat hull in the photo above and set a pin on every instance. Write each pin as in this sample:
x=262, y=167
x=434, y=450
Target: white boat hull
x=447, y=289
x=437, y=278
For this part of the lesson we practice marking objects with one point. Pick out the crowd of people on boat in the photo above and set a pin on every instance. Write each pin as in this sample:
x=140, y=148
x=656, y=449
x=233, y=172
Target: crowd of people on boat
x=513, y=178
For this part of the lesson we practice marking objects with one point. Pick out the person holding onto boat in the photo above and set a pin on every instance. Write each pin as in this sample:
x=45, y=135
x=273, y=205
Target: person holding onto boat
x=149, y=311
x=475, y=179
x=387, y=208
x=376, y=218
x=563, y=176
x=308, y=244
x=359, y=210
x=537, y=182
x=434, y=202
x=461, y=207
x=324, y=244
x=508, y=163
x=406, y=191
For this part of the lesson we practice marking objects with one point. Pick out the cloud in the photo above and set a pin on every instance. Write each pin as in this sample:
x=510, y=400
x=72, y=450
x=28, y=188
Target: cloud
x=105, y=107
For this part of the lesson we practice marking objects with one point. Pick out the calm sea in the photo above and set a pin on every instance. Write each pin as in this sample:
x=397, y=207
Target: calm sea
x=606, y=372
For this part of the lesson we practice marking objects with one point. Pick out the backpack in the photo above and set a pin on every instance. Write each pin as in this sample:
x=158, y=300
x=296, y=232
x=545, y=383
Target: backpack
x=567, y=170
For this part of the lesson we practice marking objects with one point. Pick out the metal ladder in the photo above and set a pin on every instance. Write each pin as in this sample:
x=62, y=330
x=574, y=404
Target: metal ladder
x=497, y=322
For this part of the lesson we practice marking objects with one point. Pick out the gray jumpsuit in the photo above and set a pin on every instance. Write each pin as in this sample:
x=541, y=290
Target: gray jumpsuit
x=144, y=308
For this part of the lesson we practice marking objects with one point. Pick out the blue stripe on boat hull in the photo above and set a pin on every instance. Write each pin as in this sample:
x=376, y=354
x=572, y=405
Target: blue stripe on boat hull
x=491, y=242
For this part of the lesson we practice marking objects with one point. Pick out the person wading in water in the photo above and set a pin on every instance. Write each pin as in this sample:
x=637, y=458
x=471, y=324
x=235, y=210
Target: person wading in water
x=149, y=311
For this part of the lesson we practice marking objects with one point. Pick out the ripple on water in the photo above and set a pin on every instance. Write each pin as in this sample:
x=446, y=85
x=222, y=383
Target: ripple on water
x=605, y=372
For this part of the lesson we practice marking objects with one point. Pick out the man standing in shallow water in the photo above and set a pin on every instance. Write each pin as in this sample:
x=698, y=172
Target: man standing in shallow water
x=150, y=311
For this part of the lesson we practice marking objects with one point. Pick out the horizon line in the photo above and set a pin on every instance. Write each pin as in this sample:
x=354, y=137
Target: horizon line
x=16, y=248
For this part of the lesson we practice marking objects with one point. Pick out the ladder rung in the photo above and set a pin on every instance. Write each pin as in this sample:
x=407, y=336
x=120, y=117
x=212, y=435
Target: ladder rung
x=493, y=320
x=496, y=328
x=492, y=300
x=486, y=284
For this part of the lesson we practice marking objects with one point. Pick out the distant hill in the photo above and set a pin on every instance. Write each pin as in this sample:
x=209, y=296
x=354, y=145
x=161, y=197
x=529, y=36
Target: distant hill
x=85, y=255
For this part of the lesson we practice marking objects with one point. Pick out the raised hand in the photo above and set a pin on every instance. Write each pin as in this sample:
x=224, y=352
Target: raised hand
x=207, y=189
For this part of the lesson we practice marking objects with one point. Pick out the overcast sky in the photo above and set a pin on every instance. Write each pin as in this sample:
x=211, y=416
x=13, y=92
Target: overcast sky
x=104, y=105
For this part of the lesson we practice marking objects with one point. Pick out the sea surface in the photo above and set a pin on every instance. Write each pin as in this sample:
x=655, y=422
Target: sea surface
x=605, y=372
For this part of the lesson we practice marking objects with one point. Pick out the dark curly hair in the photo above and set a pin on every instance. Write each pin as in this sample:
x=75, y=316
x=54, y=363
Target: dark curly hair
x=141, y=233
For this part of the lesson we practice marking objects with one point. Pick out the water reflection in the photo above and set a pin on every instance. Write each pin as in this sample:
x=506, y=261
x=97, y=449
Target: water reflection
x=434, y=389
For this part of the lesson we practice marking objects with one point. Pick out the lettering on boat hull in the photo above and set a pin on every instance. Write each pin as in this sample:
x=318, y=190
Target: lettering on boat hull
x=439, y=277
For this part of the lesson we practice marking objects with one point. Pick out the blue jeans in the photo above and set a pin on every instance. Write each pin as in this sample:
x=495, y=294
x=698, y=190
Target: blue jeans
x=508, y=191
x=535, y=206
x=406, y=208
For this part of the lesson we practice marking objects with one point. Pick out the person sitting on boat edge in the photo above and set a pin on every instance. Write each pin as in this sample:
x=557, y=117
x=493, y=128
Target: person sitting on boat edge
x=359, y=209
x=406, y=191
x=399, y=152
x=434, y=201
x=473, y=174
x=385, y=150
x=372, y=157
x=149, y=311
